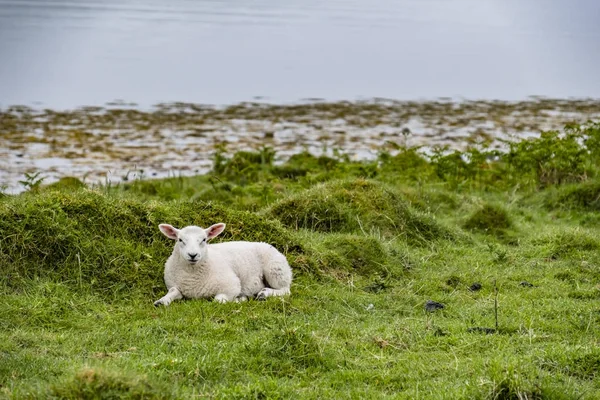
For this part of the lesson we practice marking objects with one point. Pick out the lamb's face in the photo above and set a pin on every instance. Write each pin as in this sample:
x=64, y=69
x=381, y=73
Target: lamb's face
x=191, y=241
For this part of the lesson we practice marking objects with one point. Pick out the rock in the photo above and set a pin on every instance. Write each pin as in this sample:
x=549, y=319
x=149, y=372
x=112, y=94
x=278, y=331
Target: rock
x=433, y=305
x=475, y=287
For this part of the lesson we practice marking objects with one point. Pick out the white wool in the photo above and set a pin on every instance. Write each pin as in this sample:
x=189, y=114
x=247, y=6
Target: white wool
x=224, y=271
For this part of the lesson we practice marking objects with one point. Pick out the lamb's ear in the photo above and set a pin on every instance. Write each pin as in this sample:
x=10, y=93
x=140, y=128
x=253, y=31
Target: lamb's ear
x=169, y=231
x=214, y=230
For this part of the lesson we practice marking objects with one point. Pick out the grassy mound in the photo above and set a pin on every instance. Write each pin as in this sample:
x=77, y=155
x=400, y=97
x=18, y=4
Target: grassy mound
x=490, y=219
x=66, y=183
x=113, y=243
x=359, y=254
x=358, y=205
x=582, y=196
x=568, y=242
x=98, y=384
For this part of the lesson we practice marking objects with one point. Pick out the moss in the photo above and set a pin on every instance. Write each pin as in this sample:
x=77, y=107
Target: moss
x=358, y=205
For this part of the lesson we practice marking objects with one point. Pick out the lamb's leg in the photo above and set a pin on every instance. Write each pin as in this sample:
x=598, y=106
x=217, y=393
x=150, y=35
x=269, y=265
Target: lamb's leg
x=268, y=292
x=172, y=294
x=222, y=298
x=278, y=276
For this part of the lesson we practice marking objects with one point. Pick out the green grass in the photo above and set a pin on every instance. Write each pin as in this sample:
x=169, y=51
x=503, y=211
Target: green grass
x=370, y=243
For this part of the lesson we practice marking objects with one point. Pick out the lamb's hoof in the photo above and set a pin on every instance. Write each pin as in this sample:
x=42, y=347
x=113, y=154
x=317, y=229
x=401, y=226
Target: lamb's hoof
x=160, y=302
x=263, y=294
x=221, y=298
x=240, y=299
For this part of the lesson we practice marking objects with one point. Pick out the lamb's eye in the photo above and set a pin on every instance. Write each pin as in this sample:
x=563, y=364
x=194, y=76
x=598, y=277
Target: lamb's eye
x=181, y=241
x=203, y=240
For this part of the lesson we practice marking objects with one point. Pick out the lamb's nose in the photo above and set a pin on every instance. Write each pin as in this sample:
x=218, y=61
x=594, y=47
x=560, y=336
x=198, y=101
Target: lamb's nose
x=192, y=256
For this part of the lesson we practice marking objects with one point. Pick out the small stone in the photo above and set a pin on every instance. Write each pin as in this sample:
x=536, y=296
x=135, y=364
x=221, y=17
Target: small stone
x=526, y=284
x=475, y=287
x=433, y=305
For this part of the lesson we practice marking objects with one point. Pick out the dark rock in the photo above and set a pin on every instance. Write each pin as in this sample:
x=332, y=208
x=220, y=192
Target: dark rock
x=475, y=287
x=526, y=284
x=433, y=305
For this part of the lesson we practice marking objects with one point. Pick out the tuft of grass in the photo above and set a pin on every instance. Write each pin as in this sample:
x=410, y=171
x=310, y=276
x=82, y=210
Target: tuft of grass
x=568, y=243
x=359, y=254
x=93, y=383
x=288, y=351
x=581, y=196
x=578, y=363
x=244, y=166
x=490, y=219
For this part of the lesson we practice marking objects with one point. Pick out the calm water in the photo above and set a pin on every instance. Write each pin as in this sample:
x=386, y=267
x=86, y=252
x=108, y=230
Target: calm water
x=65, y=53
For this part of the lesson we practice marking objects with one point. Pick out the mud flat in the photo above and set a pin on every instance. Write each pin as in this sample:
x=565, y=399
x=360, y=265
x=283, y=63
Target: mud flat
x=120, y=142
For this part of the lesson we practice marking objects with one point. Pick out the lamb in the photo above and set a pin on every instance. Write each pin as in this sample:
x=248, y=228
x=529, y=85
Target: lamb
x=230, y=271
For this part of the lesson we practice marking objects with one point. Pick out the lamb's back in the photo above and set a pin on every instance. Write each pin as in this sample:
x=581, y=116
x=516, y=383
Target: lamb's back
x=246, y=259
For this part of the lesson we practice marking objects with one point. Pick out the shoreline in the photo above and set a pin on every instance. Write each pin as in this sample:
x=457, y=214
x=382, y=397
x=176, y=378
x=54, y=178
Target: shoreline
x=113, y=144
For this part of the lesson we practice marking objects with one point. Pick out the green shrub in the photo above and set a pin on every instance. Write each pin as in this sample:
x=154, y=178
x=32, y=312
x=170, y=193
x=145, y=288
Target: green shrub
x=244, y=166
x=553, y=158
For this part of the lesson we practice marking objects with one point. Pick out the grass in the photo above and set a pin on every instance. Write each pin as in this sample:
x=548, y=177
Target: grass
x=370, y=244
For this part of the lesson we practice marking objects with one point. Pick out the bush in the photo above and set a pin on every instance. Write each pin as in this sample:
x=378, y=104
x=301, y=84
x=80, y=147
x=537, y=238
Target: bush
x=553, y=158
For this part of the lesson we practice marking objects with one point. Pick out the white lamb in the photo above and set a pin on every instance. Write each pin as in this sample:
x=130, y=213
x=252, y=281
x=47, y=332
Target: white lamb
x=223, y=271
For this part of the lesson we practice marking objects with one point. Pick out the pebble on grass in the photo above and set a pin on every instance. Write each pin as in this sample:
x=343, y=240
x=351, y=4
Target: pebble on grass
x=475, y=287
x=431, y=306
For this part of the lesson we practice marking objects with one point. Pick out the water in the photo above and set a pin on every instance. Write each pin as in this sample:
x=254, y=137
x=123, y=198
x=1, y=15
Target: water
x=68, y=53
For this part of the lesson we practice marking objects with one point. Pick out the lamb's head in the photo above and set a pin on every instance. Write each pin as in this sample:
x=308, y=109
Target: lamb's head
x=191, y=241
